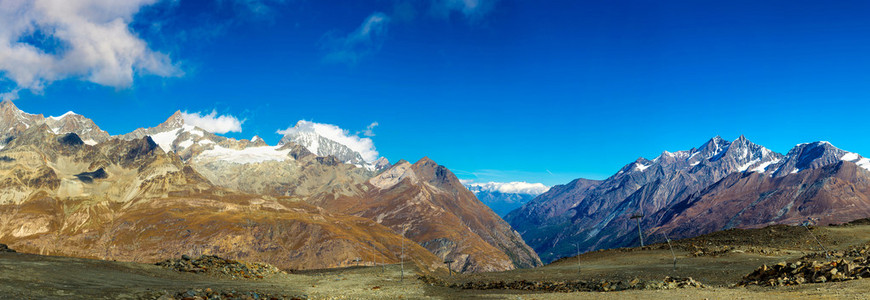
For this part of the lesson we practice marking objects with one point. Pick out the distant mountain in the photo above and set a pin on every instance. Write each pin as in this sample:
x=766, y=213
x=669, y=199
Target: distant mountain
x=13, y=122
x=504, y=197
x=597, y=214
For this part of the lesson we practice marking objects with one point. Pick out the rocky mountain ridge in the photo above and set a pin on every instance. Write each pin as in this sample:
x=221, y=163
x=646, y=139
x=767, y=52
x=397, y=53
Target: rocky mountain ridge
x=427, y=202
x=285, y=190
x=596, y=214
x=13, y=122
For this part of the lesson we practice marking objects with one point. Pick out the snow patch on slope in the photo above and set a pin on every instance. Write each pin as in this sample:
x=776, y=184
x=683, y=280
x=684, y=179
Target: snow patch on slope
x=165, y=139
x=246, y=155
x=857, y=159
x=62, y=116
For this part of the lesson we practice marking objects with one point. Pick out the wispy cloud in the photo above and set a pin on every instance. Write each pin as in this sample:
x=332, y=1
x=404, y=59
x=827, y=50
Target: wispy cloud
x=42, y=41
x=369, y=129
x=212, y=122
x=366, y=39
x=370, y=35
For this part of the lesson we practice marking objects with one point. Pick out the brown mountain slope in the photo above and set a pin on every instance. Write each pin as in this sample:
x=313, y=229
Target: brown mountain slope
x=129, y=200
x=834, y=193
x=440, y=214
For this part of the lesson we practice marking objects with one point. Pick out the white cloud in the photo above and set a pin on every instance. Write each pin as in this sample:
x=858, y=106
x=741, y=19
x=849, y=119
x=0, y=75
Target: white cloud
x=363, y=41
x=212, y=122
x=370, y=129
x=364, y=146
x=42, y=41
x=514, y=187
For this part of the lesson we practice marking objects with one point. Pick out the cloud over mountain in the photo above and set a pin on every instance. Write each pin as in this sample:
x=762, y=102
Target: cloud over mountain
x=212, y=122
x=514, y=187
x=364, y=146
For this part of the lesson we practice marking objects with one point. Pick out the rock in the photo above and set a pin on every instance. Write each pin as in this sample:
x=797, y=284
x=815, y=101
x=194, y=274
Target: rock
x=218, y=266
x=4, y=248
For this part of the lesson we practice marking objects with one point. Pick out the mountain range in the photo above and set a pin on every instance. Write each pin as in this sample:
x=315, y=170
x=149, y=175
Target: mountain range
x=504, y=197
x=719, y=185
x=69, y=188
x=315, y=200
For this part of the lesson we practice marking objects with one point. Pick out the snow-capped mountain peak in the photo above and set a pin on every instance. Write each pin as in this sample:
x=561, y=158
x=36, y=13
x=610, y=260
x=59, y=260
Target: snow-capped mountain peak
x=330, y=140
x=738, y=156
x=514, y=187
x=814, y=155
x=14, y=121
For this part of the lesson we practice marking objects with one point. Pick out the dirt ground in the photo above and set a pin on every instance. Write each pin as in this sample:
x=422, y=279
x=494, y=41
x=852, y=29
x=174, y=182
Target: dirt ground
x=718, y=260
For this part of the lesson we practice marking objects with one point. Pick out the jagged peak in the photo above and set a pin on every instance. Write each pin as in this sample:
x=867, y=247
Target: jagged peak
x=809, y=156
x=175, y=120
x=715, y=142
x=426, y=161
x=8, y=105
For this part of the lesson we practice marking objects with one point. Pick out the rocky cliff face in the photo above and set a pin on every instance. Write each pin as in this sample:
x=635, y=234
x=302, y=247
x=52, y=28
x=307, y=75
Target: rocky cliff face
x=429, y=204
x=129, y=200
x=833, y=193
x=13, y=122
x=175, y=188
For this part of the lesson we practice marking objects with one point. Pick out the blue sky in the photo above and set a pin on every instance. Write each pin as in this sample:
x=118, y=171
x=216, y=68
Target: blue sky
x=538, y=91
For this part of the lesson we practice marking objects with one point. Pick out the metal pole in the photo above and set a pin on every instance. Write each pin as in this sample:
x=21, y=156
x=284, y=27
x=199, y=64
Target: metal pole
x=639, y=231
x=672, y=250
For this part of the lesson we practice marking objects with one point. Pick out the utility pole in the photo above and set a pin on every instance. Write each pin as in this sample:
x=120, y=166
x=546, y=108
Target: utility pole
x=639, y=232
x=578, y=257
x=449, y=270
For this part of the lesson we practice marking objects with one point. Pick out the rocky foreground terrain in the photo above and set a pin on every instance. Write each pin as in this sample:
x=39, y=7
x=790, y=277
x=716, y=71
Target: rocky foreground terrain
x=751, y=264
